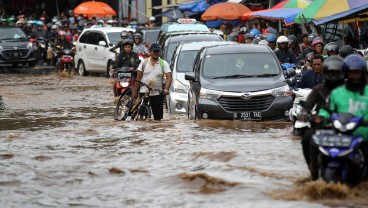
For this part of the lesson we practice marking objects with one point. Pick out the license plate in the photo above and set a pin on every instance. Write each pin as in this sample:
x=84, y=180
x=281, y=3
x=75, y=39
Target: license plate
x=335, y=141
x=124, y=74
x=248, y=116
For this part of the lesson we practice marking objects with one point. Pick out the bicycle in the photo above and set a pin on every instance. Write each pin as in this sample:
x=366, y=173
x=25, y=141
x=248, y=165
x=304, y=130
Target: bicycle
x=125, y=80
x=140, y=108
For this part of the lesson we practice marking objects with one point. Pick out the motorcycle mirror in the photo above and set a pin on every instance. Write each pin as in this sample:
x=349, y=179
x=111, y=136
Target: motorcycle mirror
x=290, y=72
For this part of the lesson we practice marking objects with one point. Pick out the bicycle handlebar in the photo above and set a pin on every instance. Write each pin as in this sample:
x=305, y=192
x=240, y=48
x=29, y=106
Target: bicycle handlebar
x=149, y=88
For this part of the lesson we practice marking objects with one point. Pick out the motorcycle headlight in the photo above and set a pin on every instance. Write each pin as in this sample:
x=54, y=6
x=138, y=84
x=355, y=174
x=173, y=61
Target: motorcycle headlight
x=124, y=84
x=280, y=91
x=178, y=87
x=337, y=124
x=351, y=126
x=209, y=94
x=29, y=46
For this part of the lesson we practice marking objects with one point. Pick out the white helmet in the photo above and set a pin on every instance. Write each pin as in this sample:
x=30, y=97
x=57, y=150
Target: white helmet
x=152, y=19
x=243, y=30
x=282, y=39
x=53, y=27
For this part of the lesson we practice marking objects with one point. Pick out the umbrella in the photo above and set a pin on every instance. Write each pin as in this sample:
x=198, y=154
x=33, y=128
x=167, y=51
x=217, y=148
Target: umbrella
x=225, y=11
x=292, y=4
x=324, y=8
x=287, y=14
x=94, y=9
x=194, y=6
x=174, y=14
x=357, y=14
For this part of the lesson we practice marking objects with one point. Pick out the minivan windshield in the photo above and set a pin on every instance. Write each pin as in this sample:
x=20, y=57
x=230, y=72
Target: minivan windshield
x=114, y=37
x=185, y=61
x=240, y=65
x=12, y=33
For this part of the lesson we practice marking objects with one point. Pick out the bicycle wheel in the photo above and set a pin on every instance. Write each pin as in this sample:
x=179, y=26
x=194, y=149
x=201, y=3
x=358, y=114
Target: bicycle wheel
x=121, y=109
x=144, y=112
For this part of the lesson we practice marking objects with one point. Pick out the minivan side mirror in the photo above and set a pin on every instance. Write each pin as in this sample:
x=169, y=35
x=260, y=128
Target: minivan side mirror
x=190, y=76
x=102, y=43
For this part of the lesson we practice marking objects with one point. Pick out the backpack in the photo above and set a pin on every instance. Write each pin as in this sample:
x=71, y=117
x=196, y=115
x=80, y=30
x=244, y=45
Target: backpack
x=162, y=65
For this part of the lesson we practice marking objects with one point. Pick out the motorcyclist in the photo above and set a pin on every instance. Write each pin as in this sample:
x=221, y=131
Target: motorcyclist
x=248, y=38
x=317, y=47
x=294, y=46
x=346, y=50
x=271, y=39
x=311, y=37
x=242, y=32
x=138, y=47
x=59, y=46
x=352, y=97
x=126, y=58
x=313, y=77
x=124, y=36
x=283, y=53
x=317, y=99
x=332, y=49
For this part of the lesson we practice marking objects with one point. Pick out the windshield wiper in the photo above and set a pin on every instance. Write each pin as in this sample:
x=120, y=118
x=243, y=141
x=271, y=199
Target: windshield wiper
x=233, y=76
x=266, y=75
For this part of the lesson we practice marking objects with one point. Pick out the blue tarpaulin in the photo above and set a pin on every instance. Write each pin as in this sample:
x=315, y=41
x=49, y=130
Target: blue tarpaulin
x=287, y=14
x=194, y=6
x=174, y=14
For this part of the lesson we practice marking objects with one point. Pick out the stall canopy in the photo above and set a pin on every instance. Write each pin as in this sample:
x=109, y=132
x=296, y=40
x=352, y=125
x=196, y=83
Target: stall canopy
x=292, y=4
x=319, y=9
x=225, y=11
x=287, y=14
x=357, y=14
x=94, y=9
x=197, y=6
x=174, y=14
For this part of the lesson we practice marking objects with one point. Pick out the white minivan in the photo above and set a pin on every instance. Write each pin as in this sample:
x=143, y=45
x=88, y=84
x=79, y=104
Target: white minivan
x=92, y=49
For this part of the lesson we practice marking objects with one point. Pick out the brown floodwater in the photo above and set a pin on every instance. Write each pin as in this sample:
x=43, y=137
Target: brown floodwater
x=60, y=147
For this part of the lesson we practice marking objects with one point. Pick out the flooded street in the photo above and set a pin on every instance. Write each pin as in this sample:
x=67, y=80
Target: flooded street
x=60, y=147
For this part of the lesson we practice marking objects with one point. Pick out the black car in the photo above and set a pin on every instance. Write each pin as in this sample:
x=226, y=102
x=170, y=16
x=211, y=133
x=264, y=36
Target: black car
x=15, y=47
x=149, y=33
x=169, y=41
x=241, y=82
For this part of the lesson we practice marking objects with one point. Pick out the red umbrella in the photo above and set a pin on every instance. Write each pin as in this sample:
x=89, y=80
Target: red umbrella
x=94, y=9
x=225, y=11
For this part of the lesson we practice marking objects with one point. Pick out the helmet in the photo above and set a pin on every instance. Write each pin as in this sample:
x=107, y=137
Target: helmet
x=256, y=40
x=248, y=35
x=137, y=35
x=271, y=38
x=311, y=37
x=254, y=32
x=332, y=69
x=62, y=33
x=230, y=38
x=235, y=34
x=100, y=21
x=128, y=42
x=292, y=39
x=317, y=41
x=152, y=19
x=282, y=39
x=54, y=27
x=124, y=34
x=332, y=46
x=243, y=30
x=355, y=62
x=346, y=50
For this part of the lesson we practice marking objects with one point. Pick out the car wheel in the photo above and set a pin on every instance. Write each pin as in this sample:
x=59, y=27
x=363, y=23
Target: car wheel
x=32, y=63
x=82, y=69
x=110, y=69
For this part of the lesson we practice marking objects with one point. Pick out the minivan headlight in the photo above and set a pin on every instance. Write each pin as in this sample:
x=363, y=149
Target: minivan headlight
x=29, y=46
x=280, y=91
x=178, y=87
x=209, y=94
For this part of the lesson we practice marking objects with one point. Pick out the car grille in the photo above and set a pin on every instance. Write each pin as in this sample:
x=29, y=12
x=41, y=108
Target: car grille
x=237, y=104
x=15, y=53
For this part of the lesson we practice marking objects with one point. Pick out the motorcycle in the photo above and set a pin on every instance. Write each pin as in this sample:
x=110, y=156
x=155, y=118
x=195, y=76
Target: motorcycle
x=296, y=112
x=66, y=60
x=124, y=79
x=36, y=47
x=340, y=159
x=43, y=45
x=290, y=74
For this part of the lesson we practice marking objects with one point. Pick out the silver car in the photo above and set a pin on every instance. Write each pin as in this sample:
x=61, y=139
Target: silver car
x=181, y=62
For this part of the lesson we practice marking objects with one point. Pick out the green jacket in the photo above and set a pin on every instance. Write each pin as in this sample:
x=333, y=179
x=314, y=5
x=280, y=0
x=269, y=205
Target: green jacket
x=343, y=100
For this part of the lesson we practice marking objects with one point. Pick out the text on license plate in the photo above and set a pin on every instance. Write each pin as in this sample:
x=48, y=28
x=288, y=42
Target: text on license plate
x=248, y=116
x=125, y=74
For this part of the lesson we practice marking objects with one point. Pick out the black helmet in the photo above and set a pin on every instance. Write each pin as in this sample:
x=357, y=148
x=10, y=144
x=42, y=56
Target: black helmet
x=128, y=42
x=332, y=69
x=355, y=62
x=346, y=50
x=332, y=47
x=311, y=37
x=292, y=39
x=124, y=34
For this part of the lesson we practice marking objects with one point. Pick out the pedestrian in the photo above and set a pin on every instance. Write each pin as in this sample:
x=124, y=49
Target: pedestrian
x=151, y=72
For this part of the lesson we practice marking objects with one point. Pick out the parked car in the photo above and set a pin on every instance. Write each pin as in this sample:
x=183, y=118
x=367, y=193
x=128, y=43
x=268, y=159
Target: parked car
x=183, y=24
x=92, y=49
x=241, y=82
x=15, y=48
x=181, y=62
x=171, y=40
x=149, y=33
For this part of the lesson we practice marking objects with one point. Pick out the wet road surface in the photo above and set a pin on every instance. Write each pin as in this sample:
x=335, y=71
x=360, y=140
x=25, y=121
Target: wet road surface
x=60, y=147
